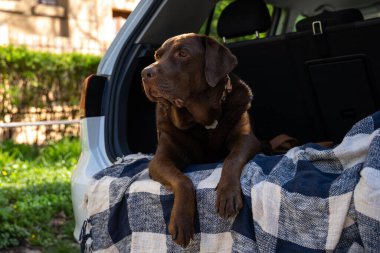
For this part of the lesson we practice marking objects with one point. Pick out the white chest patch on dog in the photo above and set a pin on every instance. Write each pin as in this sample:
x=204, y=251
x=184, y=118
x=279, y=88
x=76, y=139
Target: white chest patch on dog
x=213, y=125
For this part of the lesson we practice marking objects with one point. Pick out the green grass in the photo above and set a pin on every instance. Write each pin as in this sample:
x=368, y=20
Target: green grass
x=35, y=199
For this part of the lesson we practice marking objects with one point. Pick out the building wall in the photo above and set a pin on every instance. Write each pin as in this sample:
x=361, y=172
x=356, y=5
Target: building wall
x=86, y=26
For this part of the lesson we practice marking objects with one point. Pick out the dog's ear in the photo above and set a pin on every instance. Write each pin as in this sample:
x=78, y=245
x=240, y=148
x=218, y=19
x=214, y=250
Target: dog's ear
x=219, y=61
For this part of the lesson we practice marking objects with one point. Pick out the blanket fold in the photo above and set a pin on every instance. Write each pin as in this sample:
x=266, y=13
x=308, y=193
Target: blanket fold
x=311, y=199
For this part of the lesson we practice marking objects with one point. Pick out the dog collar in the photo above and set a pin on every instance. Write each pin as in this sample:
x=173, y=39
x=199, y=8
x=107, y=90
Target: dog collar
x=227, y=89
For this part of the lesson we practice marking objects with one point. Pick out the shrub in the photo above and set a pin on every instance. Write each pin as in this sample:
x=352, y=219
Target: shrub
x=41, y=79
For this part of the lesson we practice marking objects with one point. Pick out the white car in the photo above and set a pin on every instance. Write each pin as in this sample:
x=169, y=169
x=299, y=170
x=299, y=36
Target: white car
x=313, y=66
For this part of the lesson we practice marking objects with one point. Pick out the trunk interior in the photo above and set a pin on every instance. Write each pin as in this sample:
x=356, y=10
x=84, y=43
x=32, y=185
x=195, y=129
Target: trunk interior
x=310, y=85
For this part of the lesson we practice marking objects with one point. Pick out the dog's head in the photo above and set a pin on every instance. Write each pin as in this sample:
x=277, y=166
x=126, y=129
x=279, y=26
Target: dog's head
x=187, y=72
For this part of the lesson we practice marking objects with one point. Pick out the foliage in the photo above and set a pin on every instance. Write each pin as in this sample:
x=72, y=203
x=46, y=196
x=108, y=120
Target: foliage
x=35, y=194
x=41, y=79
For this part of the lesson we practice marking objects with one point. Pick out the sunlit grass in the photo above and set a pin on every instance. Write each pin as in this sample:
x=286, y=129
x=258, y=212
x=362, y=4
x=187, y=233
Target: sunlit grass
x=35, y=194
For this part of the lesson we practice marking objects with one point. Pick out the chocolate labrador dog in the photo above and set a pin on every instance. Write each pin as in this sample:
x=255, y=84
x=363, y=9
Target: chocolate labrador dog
x=201, y=117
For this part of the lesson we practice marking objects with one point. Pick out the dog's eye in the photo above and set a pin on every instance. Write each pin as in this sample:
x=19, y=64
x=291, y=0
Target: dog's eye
x=182, y=53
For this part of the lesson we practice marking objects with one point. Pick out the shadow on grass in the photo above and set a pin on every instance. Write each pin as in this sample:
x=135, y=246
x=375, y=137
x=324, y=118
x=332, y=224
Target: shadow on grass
x=38, y=216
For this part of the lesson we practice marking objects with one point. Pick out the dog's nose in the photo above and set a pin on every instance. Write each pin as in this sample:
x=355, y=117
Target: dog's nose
x=148, y=73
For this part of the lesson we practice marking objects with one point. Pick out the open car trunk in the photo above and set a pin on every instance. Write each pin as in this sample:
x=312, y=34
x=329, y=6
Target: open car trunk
x=312, y=87
x=312, y=84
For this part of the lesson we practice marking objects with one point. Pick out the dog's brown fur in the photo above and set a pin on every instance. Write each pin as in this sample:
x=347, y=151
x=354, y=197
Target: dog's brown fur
x=189, y=83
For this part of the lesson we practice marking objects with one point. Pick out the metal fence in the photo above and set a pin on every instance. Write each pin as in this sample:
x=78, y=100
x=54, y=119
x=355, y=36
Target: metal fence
x=39, y=126
x=39, y=132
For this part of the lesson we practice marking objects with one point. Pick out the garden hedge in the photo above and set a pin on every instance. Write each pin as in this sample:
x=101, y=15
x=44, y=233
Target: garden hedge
x=41, y=79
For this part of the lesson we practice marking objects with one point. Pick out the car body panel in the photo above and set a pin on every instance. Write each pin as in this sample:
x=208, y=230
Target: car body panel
x=93, y=159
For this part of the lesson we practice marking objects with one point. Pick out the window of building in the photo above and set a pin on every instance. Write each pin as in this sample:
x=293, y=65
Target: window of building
x=48, y=2
x=119, y=17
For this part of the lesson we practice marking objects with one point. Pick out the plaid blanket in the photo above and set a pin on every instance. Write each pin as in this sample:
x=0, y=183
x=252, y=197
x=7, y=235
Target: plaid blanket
x=311, y=199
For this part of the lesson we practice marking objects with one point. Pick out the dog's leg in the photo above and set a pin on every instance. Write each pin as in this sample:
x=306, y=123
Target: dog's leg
x=243, y=145
x=163, y=169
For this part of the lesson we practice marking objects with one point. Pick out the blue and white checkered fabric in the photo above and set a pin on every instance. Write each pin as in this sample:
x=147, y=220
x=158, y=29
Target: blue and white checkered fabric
x=311, y=199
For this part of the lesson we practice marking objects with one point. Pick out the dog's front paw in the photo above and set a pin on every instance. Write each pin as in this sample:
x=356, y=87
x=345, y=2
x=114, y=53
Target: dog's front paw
x=181, y=226
x=228, y=200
